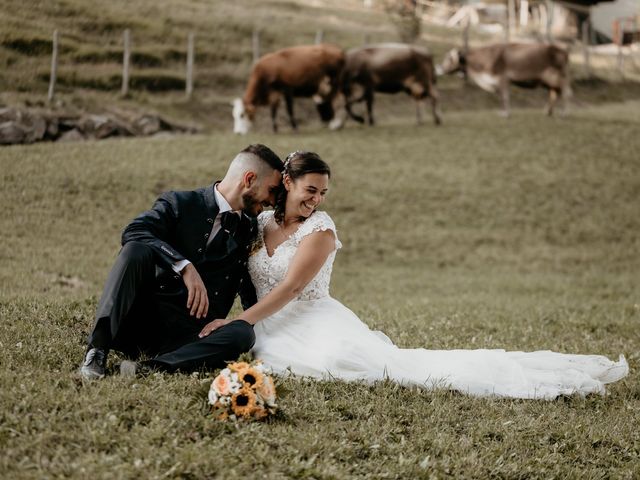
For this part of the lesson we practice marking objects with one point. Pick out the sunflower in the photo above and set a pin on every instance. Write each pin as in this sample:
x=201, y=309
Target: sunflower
x=251, y=377
x=243, y=403
x=238, y=366
x=260, y=413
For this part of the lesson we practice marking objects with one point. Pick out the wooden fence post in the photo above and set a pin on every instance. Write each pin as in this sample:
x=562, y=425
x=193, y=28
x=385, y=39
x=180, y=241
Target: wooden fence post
x=511, y=15
x=125, y=62
x=636, y=25
x=54, y=67
x=618, y=29
x=524, y=13
x=256, y=44
x=319, y=36
x=465, y=45
x=465, y=35
x=550, y=15
x=190, y=55
x=585, y=46
x=507, y=25
x=542, y=18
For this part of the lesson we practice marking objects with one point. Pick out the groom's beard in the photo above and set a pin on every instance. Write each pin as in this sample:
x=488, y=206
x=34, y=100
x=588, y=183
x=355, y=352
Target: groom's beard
x=250, y=205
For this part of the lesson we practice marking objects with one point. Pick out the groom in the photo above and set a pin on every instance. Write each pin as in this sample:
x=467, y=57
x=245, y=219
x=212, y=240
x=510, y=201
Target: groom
x=181, y=265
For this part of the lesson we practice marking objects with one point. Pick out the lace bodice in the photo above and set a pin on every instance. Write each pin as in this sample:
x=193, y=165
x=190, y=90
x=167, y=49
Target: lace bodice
x=266, y=272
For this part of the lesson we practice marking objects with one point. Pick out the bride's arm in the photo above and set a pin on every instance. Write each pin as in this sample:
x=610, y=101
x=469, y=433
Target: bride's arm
x=306, y=263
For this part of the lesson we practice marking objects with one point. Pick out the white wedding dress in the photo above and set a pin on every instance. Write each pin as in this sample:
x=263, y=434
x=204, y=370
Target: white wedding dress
x=315, y=335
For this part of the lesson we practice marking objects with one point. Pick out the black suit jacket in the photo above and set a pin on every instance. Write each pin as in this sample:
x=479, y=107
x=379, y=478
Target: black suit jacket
x=177, y=228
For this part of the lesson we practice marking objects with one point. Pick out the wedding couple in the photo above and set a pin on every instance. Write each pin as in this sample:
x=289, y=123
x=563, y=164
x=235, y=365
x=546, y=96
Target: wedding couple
x=183, y=262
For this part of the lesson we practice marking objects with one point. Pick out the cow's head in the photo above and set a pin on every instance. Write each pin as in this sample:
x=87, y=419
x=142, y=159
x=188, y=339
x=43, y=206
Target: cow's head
x=452, y=62
x=325, y=109
x=242, y=116
x=323, y=99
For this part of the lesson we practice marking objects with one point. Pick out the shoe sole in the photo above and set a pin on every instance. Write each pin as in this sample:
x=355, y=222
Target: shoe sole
x=128, y=369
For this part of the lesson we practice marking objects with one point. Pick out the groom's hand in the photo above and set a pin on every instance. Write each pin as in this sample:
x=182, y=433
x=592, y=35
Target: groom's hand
x=198, y=301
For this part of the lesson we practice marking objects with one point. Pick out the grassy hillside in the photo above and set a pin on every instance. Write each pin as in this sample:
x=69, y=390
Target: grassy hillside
x=484, y=233
x=91, y=52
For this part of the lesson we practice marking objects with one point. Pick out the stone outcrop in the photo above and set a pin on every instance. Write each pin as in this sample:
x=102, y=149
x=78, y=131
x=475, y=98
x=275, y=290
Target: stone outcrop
x=22, y=126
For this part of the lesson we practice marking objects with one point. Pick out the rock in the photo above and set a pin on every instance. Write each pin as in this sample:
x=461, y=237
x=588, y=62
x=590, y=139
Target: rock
x=68, y=122
x=103, y=126
x=71, y=136
x=147, y=125
x=8, y=114
x=11, y=133
x=36, y=127
x=32, y=125
x=52, y=128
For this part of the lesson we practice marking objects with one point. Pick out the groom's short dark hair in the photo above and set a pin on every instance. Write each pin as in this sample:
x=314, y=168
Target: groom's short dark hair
x=265, y=154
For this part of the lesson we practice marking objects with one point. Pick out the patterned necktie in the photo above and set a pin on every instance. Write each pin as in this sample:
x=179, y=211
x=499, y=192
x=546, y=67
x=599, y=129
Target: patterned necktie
x=229, y=222
x=223, y=243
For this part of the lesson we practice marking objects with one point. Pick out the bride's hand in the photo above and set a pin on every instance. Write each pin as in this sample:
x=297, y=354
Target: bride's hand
x=214, y=325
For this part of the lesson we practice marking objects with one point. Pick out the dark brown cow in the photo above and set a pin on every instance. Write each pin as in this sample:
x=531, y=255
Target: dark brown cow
x=388, y=68
x=494, y=67
x=301, y=71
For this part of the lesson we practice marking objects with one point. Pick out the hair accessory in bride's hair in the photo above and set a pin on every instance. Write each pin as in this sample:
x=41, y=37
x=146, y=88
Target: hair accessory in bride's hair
x=287, y=161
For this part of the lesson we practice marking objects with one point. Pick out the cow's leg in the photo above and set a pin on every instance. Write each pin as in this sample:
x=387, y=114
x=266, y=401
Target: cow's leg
x=274, y=113
x=368, y=97
x=417, y=92
x=435, y=96
x=566, y=93
x=356, y=93
x=419, y=109
x=504, y=90
x=553, y=97
x=340, y=109
x=352, y=114
x=288, y=99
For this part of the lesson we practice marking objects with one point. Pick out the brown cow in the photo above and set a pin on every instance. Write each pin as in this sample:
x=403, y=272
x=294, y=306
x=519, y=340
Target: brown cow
x=301, y=71
x=527, y=65
x=388, y=68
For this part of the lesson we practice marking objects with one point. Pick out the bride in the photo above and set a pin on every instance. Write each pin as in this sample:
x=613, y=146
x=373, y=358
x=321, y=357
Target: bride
x=301, y=329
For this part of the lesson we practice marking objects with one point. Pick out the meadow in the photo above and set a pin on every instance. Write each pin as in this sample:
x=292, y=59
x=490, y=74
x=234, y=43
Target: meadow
x=483, y=233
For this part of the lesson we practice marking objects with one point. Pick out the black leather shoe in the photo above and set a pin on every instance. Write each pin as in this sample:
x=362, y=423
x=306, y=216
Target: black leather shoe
x=131, y=369
x=94, y=365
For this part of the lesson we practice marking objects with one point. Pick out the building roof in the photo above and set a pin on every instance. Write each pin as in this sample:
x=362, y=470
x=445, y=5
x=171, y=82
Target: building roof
x=585, y=3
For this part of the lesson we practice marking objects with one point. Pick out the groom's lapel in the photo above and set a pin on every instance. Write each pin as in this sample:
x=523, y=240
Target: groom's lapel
x=211, y=203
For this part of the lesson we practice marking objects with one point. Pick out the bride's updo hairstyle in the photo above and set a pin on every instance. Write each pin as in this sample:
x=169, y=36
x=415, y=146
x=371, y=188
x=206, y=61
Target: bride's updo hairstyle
x=297, y=165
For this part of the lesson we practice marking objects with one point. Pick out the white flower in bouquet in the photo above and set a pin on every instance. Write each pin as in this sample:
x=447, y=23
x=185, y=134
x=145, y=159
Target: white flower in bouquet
x=213, y=396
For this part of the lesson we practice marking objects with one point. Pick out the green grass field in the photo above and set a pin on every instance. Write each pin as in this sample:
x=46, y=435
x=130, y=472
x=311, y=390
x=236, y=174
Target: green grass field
x=483, y=233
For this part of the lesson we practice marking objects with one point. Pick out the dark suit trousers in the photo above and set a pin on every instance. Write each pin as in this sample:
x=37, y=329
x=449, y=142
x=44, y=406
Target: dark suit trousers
x=132, y=317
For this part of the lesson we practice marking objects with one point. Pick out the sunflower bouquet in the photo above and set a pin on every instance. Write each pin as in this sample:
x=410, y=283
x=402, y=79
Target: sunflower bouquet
x=243, y=391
